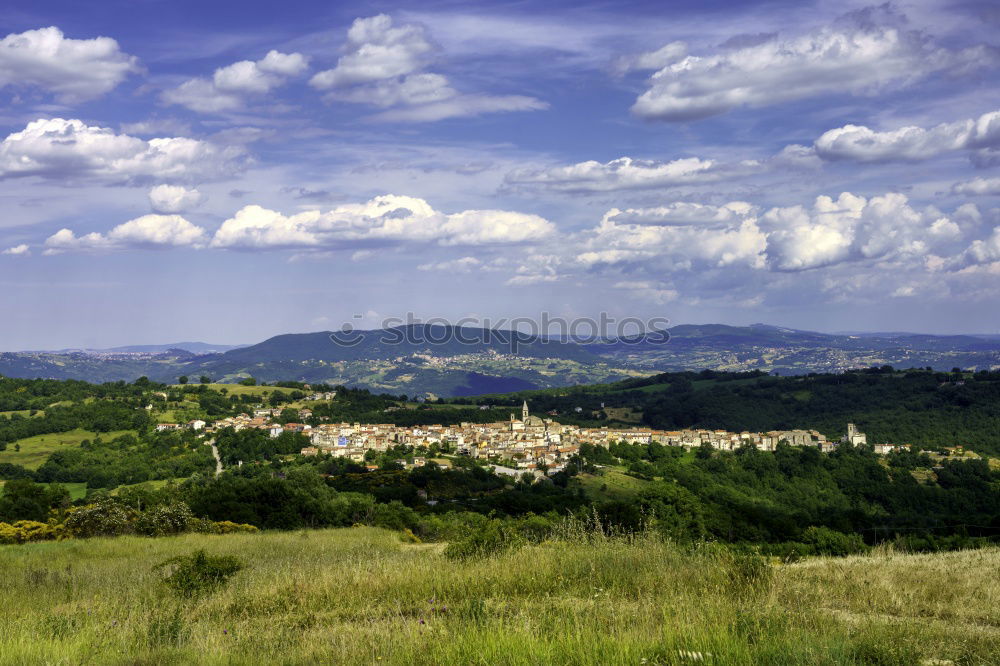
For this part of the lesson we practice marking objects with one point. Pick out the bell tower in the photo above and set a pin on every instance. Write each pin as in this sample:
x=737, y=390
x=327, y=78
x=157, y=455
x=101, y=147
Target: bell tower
x=524, y=411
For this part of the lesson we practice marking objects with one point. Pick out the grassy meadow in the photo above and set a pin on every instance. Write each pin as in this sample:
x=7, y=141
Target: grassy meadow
x=363, y=596
x=35, y=450
x=233, y=389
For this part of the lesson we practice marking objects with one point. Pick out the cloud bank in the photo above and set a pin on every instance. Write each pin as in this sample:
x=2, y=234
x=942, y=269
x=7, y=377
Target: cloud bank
x=62, y=150
x=382, y=66
x=862, y=54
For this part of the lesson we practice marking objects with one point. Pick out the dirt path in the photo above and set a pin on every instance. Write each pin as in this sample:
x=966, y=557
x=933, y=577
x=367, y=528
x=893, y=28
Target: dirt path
x=218, y=460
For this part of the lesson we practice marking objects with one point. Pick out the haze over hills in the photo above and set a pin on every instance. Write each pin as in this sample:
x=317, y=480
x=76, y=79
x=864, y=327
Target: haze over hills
x=192, y=347
x=423, y=359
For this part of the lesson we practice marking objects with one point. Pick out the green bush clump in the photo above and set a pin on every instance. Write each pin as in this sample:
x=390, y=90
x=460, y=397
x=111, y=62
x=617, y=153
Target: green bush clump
x=103, y=518
x=492, y=538
x=165, y=519
x=191, y=575
x=824, y=541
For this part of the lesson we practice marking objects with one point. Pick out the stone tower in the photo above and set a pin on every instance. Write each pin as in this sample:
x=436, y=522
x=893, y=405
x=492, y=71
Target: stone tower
x=524, y=411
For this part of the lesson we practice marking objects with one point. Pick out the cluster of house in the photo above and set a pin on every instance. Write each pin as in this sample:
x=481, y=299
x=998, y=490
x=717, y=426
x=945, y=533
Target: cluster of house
x=327, y=395
x=530, y=442
x=525, y=444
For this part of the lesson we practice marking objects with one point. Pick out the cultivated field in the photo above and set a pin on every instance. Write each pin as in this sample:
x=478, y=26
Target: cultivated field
x=362, y=596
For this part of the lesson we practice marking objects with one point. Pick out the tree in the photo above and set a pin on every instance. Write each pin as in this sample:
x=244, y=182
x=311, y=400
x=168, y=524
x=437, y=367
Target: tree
x=23, y=499
x=183, y=379
x=205, y=379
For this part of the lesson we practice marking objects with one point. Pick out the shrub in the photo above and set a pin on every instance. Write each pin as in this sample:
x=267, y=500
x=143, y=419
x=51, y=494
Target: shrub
x=229, y=527
x=394, y=516
x=103, y=518
x=164, y=519
x=190, y=575
x=493, y=538
x=24, y=531
x=825, y=541
x=206, y=526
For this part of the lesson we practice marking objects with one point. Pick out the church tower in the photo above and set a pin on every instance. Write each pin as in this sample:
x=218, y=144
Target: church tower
x=524, y=411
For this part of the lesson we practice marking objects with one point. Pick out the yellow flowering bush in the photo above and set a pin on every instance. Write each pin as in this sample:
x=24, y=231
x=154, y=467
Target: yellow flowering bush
x=23, y=531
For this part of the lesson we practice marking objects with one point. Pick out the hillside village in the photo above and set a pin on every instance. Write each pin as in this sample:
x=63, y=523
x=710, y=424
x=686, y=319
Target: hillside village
x=527, y=443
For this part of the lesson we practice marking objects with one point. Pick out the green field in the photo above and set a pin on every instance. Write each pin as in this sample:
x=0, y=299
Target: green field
x=22, y=412
x=155, y=484
x=361, y=596
x=612, y=484
x=235, y=389
x=79, y=490
x=76, y=490
x=34, y=450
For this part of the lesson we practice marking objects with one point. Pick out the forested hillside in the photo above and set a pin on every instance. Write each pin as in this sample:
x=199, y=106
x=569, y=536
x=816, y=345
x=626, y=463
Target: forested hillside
x=920, y=407
x=795, y=500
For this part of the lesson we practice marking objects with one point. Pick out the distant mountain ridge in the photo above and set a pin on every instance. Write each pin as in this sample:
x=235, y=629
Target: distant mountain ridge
x=441, y=360
x=404, y=341
x=190, y=347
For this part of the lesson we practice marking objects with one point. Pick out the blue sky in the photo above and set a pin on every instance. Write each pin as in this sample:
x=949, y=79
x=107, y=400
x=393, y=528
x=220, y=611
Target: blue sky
x=229, y=171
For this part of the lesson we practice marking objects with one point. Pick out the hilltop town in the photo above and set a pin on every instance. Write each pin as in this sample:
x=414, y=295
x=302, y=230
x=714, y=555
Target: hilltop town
x=528, y=443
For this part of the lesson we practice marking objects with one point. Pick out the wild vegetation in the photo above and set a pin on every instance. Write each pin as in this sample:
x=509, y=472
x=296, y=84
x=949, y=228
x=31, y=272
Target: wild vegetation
x=632, y=553
x=362, y=595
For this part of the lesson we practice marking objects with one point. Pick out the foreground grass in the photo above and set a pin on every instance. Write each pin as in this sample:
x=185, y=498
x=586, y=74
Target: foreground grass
x=361, y=596
x=35, y=450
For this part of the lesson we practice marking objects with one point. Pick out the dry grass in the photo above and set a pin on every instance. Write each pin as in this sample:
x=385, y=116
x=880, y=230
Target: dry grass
x=361, y=596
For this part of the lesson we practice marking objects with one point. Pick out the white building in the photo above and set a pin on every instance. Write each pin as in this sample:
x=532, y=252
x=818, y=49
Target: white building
x=854, y=437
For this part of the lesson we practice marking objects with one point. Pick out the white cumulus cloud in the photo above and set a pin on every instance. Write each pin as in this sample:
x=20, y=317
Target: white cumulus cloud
x=858, y=55
x=231, y=86
x=64, y=150
x=985, y=251
x=684, y=236
x=148, y=231
x=18, y=250
x=377, y=50
x=677, y=238
x=853, y=228
x=174, y=198
x=72, y=69
x=908, y=144
x=978, y=187
x=384, y=219
x=383, y=66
